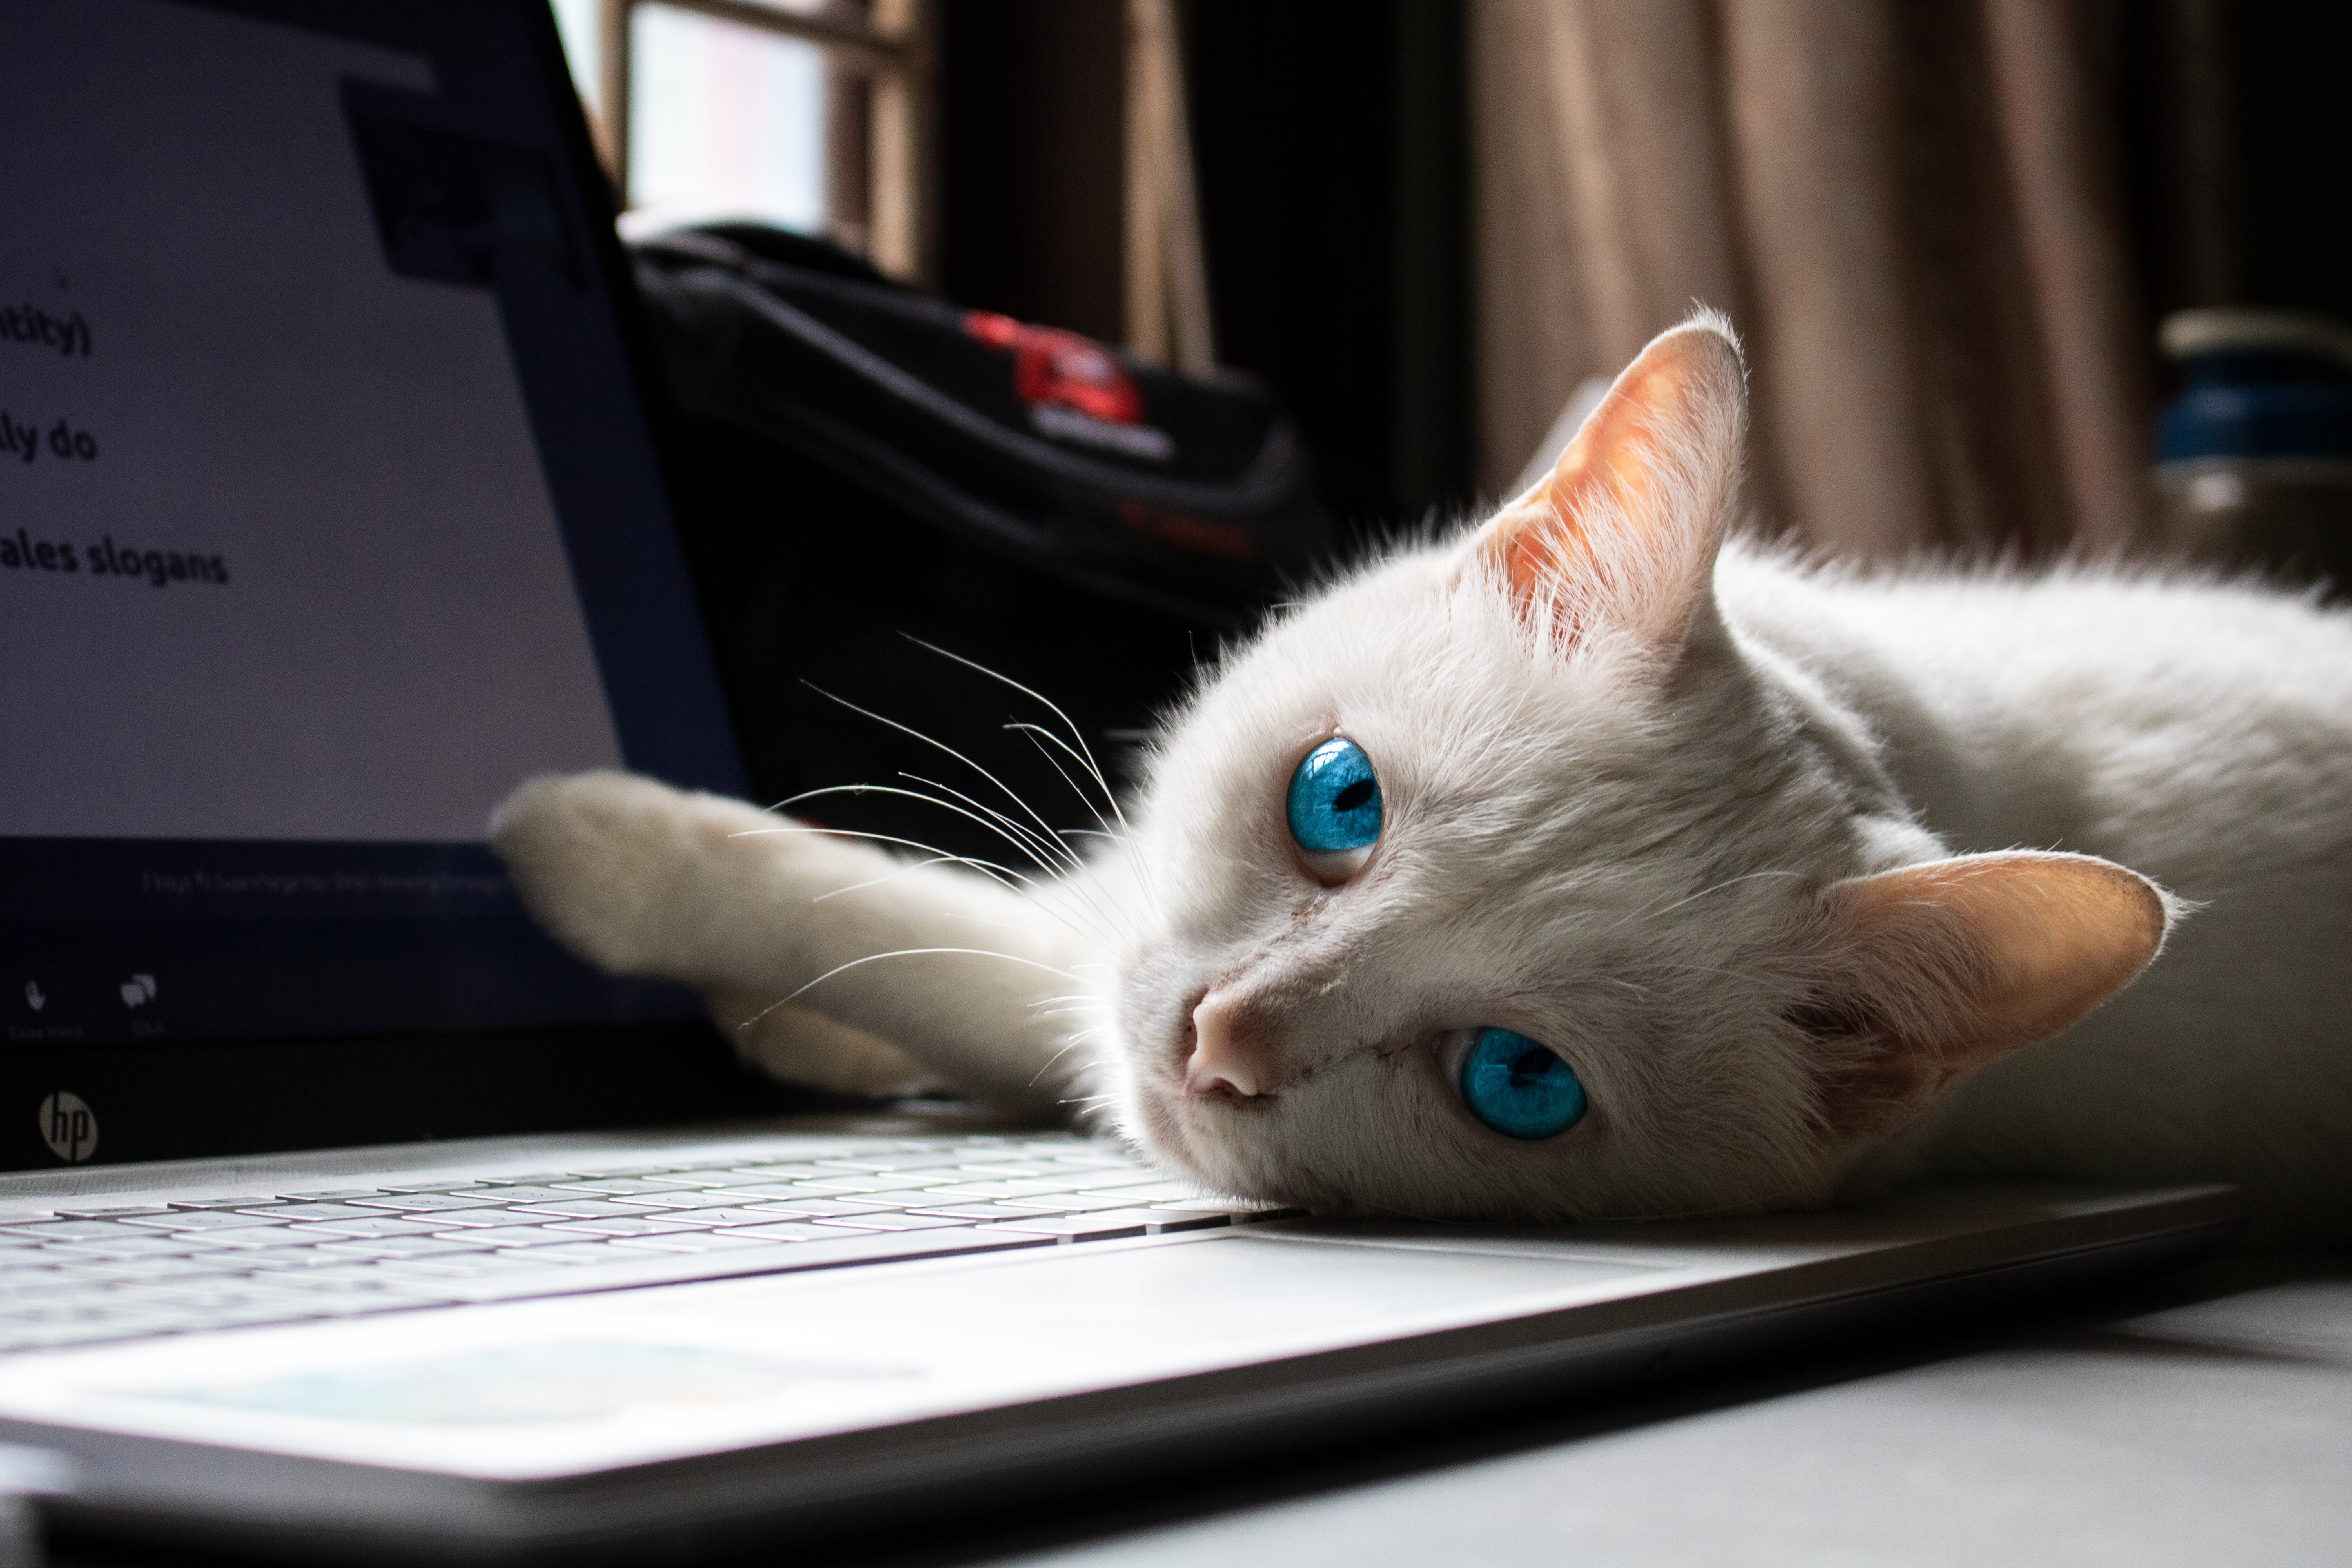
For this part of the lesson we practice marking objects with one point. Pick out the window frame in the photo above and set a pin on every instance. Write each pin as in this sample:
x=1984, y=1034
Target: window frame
x=879, y=64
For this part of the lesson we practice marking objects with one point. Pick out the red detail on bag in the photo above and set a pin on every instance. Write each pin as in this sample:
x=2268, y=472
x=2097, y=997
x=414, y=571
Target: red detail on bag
x=1198, y=535
x=1053, y=366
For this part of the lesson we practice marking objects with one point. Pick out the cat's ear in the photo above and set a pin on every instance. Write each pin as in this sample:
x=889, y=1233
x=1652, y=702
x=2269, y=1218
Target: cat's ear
x=1945, y=968
x=1623, y=533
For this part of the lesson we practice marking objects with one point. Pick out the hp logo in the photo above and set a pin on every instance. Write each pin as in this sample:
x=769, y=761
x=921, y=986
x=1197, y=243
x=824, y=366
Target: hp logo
x=69, y=1127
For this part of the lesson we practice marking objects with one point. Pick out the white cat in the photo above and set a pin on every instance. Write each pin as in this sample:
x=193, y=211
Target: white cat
x=1593, y=866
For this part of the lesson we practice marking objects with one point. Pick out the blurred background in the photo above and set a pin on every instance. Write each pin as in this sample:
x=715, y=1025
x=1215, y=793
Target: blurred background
x=1948, y=229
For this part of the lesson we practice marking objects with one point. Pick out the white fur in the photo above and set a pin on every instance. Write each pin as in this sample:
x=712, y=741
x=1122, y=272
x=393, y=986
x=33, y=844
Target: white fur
x=1627, y=844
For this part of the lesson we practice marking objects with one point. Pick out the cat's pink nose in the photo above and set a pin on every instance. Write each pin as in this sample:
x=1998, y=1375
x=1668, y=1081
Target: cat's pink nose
x=1220, y=1062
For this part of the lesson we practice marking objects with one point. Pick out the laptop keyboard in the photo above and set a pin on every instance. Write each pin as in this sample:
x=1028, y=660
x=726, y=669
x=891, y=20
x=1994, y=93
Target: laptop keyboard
x=83, y=1275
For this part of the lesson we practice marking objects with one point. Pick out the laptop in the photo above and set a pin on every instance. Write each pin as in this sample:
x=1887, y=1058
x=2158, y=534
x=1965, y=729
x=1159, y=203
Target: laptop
x=343, y=1212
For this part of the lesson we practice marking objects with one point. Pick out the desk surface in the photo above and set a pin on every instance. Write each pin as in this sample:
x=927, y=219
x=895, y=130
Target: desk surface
x=2203, y=1420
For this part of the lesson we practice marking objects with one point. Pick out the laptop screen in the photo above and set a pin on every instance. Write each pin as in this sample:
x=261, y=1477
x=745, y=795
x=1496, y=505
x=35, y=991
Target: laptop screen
x=328, y=514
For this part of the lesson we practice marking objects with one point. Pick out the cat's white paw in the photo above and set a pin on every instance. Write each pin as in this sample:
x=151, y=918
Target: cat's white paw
x=803, y=1047
x=606, y=859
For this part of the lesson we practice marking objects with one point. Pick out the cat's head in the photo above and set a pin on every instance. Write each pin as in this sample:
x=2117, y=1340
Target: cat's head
x=1506, y=879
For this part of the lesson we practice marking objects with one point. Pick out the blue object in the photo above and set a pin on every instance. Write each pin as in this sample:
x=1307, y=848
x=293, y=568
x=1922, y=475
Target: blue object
x=1335, y=799
x=1519, y=1088
x=2266, y=402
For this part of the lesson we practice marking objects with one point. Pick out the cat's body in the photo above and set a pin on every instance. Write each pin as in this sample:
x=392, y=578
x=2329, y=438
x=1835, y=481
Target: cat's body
x=1728, y=834
x=2200, y=734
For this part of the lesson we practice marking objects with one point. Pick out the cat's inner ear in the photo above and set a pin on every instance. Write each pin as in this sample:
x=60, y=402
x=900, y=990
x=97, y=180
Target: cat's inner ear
x=1945, y=968
x=1623, y=531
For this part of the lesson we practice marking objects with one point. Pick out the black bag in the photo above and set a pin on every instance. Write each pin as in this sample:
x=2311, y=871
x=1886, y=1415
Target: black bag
x=865, y=469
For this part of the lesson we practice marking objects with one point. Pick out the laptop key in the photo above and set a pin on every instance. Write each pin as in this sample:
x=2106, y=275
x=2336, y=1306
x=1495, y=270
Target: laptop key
x=894, y=1221
x=680, y=1199
x=1070, y=1203
x=373, y=1225
x=748, y=1214
x=254, y=1238
x=1104, y=1227
x=335, y=1275
x=128, y=1247
x=425, y=1203
x=1164, y=1220
x=512, y=1235
x=629, y=1224
x=70, y=1229
x=463, y=1219
x=692, y=1241
x=576, y=1253
x=401, y=1245
x=1143, y=1189
x=977, y=1190
x=878, y=1181
x=700, y=1178
x=426, y=1272
x=103, y=1267
x=192, y=1221
x=784, y=1230
x=806, y=1207
x=577, y=1207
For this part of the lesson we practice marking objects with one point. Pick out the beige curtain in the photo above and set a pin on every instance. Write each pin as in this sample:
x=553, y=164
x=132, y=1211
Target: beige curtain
x=1910, y=207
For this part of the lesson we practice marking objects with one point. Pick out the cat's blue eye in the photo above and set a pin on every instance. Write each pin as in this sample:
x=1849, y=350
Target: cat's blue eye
x=1519, y=1088
x=1335, y=804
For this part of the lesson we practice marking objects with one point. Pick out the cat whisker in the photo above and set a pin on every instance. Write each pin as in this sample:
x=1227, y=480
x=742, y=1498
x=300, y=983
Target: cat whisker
x=879, y=881
x=1067, y=877
x=1038, y=736
x=1033, y=846
x=1004, y=875
x=1001, y=925
x=1683, y=968
x=1082, y=753
x=1086, y=753
x=1048, y=1065
x=963, y=812
x=1717, y=887
x=1012, y=832
x=908, y=953
x=941, y=746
